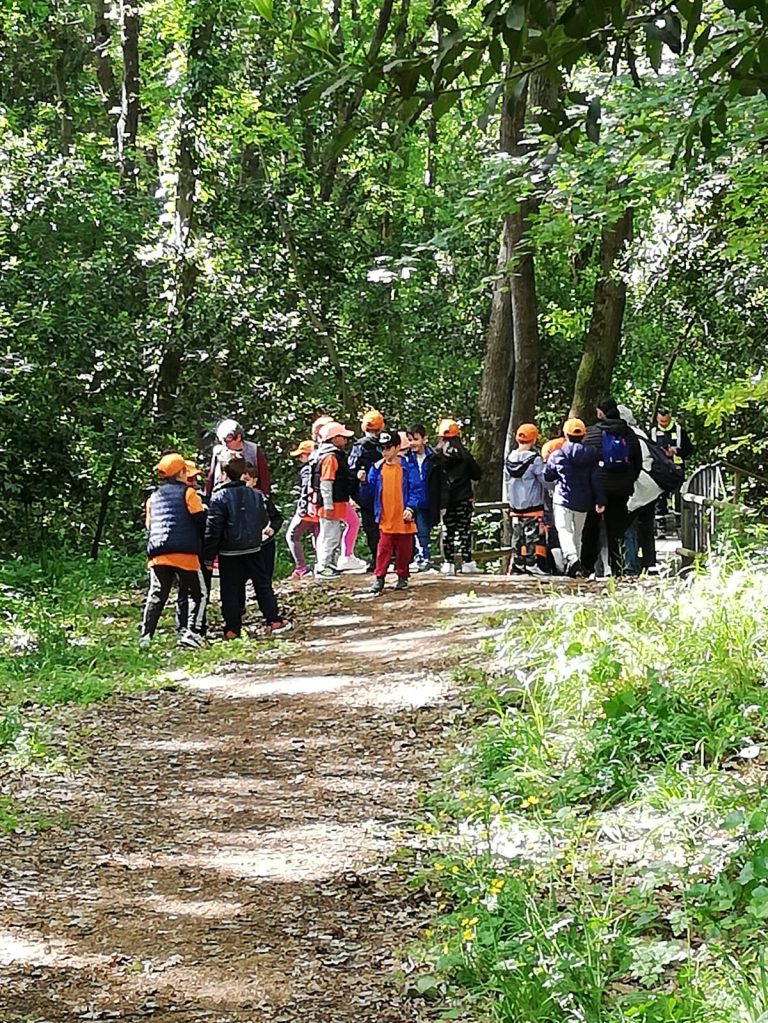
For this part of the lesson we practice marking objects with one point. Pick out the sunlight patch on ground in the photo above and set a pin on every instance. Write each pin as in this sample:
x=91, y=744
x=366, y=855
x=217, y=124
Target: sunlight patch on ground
x=278, y=685
x=304, y=853
x=337, y=621
x=211, y=909
x=34, y=949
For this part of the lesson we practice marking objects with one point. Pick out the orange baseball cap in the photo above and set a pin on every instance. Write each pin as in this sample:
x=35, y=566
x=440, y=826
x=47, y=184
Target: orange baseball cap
x=171, y=465
x=527, y=432
x=550, y=446
x=192, y=469
x=306, y=447
x=372, y=420
x=448, y=428
x=333, y=429
x=574, y=428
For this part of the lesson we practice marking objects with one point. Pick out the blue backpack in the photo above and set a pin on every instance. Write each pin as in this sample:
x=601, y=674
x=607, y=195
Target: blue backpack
x=615, y=452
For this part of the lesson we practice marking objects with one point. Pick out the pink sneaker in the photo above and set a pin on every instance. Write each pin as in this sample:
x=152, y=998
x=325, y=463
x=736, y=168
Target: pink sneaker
x=299, y=573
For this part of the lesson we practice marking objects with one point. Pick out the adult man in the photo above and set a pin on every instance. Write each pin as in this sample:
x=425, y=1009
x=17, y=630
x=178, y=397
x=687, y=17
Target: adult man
x=619, y=460
x=674, y=441
x=671, y=437
x=229, y=434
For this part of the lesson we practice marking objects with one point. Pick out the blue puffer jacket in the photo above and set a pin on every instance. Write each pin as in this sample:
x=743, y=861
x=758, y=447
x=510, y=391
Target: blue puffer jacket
x=578, y=482
x=172, y=530
x=411, y=486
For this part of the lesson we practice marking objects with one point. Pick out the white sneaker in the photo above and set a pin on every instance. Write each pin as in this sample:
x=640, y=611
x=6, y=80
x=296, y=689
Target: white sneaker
x=535, y=570
x=144, y=642
x=191, y=639
x=447, y=568
x=469, y=568
x=351, y=563
x=415, y=566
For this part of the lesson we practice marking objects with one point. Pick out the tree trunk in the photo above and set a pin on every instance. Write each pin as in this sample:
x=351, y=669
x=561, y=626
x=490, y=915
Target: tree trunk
x=601, y=347
x=184, y=270
x=104, y=74
x=352, y=105
x=128, y=121
x=62, y=104
x=525, y=320
x=493, y=403
x=496, y=382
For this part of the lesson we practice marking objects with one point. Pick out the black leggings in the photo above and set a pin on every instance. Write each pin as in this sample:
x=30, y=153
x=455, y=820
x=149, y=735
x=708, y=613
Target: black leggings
x=457, y=531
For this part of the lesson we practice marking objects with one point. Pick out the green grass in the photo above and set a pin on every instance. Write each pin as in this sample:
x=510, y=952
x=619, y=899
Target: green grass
x=68, y=635
x=602, y=838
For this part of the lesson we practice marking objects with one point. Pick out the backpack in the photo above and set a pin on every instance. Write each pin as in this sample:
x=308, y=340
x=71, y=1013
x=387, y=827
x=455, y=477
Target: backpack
x=516, y=470
x=663, y=471
x=615, y=452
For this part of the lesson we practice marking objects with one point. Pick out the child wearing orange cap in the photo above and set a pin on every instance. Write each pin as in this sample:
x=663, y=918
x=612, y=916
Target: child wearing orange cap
x=578, y=489
x=304, y=519
x=332, y=484
x=524, y=485
x=366, y=452
x=175, y=520
x=460, y=470
x=348, y=561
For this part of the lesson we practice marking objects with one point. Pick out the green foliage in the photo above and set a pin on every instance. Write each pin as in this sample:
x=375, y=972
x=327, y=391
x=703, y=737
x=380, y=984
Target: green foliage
x=602, y=853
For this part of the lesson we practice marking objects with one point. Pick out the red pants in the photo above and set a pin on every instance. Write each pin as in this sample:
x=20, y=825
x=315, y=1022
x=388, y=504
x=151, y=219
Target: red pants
x=399, y=544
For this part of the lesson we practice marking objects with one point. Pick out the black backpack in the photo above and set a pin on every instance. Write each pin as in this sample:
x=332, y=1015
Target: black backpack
x=663, y=471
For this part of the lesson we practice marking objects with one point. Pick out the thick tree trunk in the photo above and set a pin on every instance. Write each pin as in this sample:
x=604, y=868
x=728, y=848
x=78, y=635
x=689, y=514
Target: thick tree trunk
x=601, y=347
x=104, y=74
x=128, y=121
x=493, y=403
x=185, y=270
x=496, y=382
x=525, y=321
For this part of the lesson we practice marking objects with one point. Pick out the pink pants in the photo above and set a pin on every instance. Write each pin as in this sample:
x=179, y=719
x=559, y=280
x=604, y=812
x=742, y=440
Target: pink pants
x=352, y=524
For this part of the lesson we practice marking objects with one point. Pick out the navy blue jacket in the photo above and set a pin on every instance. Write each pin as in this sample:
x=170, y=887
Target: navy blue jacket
x=172, y=530
x=576, y=475
x=365, y=453
x=412, y=485
x=237, y=518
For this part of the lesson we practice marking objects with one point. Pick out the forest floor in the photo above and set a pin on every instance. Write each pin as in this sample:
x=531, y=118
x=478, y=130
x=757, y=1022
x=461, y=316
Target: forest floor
x=221, y=852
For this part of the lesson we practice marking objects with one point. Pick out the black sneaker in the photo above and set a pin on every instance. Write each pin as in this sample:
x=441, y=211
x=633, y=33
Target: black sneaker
x=574, y=570
x=401, y=584
x=378, y=586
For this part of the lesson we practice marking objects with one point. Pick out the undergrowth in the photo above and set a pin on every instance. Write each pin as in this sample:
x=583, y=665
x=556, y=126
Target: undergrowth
x=600, y=846
x=68, y=635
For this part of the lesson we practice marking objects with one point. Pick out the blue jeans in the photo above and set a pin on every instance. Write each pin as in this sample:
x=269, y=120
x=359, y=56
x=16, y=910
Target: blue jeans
x=422, y=534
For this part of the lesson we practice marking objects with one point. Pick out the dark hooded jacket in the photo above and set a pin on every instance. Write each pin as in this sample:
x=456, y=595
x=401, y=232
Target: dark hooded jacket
x=574, y=471
x=621, y=483
x=459, y=470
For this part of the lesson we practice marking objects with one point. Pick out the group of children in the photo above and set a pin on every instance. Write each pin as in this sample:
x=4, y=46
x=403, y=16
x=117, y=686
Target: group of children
x=401, y=486
x=590, y=495
x=232, y=523
x=564, y=502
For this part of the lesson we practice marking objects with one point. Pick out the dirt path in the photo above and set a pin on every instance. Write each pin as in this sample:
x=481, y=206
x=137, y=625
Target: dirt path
x=225, y=857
